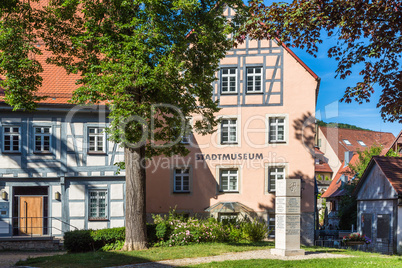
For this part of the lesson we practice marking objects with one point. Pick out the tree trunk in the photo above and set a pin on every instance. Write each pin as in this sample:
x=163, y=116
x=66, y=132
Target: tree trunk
x=136, y=229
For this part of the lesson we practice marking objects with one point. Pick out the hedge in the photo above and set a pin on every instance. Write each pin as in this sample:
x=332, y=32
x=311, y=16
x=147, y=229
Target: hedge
x=106, y=239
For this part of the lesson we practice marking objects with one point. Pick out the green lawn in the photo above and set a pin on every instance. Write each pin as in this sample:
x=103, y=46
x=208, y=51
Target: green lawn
x=114, y=258
x=360, y=261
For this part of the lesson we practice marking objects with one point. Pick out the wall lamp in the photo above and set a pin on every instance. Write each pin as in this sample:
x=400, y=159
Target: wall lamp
x=57, y=196
x=4, y=195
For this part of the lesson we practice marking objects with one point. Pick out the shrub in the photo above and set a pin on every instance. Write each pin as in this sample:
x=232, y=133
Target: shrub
x=78, y=241
x=255, y=231
x=105, y=237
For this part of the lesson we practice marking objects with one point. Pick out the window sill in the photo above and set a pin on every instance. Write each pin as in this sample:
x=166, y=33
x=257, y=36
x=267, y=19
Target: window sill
x=98, y=219
x=3, y=152
x=277, y=142
x=254, y=93
x=97, y=153
x=229, y=94
x=229, y=143
x=183, y=192
x=43, y=153
x=229, y=192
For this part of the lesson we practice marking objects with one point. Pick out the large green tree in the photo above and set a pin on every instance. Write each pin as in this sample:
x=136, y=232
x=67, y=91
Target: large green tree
x=368, y=35
x=148, y=61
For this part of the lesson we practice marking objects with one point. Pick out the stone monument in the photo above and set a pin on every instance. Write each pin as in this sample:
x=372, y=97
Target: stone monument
x=287, y=218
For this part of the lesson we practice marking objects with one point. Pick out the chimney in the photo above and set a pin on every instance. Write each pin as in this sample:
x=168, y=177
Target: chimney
x=348, y=157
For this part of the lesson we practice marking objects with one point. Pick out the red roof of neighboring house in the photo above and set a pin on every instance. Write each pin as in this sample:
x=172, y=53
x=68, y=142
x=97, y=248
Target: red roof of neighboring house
x=337, y=136
x=323, y=167
x=333, y=189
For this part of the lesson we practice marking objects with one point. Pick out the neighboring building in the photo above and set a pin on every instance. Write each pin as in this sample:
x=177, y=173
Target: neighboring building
x=334, y=142
x=266, y=94
x=336, y=190
x=322, y=171
x=379, y=204
x=397, y=144
x=57, y=166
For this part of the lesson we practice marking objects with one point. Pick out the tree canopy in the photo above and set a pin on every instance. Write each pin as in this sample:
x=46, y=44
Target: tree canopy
x=368, y=35
x=151, y=62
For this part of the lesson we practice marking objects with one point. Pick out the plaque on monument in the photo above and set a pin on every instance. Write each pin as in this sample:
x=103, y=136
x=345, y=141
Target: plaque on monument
x=289, y=205
x=288, y=187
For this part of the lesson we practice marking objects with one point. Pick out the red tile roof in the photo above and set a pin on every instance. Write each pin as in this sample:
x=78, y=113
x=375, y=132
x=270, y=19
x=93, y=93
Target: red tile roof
x=56, y=84
x=336, y=137
x=323, y=167
x=333, y=189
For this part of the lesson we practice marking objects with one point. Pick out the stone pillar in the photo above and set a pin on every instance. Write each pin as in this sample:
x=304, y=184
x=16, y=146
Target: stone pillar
x=287, y=218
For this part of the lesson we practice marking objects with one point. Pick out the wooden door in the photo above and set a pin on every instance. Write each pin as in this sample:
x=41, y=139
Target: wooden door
x=31, y=215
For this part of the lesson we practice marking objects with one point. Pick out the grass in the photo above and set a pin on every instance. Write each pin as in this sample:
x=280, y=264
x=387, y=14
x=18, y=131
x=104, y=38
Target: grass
x=357, y=259
x=115, y=258
x=339, y=262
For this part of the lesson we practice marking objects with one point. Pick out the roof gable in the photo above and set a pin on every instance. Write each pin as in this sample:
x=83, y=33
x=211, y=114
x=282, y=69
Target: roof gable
x=381, y=179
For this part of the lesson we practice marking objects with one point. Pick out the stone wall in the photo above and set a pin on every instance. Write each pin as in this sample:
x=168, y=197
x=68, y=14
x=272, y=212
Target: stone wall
x=307, y=229
x=34, y=245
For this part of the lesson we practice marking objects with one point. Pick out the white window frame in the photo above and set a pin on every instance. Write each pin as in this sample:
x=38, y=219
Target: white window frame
x=253, y=76
x=98, y=198
x=181, y=176
x=228, y=76
x=98, y=135
x=230, y=126
x=12, y=141
x=42, y=135
x=277, y=124
x=273, y=170
x=229, y=179
x=268, y=169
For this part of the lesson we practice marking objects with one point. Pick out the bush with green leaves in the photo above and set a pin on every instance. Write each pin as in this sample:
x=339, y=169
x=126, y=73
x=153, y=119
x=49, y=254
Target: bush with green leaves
x=254, y=230
x=103, y=239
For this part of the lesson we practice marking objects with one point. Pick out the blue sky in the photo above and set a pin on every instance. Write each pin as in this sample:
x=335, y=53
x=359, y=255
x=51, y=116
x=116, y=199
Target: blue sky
x=329, y=109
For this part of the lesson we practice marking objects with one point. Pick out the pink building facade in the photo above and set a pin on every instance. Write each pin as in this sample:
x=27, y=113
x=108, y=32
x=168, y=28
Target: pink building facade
x=268, y=98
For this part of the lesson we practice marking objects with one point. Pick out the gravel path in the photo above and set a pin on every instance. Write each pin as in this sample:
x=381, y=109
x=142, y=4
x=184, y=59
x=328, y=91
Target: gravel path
x=9, y=258
x=256, y=254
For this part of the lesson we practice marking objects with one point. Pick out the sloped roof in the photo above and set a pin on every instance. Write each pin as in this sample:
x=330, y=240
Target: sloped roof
x=57, y=85
x=323, y=167
x=336, y=137
x=333, y=189
x=391, y=167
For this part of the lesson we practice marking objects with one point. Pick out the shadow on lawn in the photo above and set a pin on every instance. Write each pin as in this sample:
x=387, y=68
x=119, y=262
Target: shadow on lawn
x=91, y=260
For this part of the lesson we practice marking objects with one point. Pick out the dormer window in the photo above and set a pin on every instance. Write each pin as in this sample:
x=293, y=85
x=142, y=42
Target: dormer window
x=347, y=142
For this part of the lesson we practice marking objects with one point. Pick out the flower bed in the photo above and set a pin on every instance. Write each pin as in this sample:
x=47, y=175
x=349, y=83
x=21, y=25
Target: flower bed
x=173, y=230
x=356, y=239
